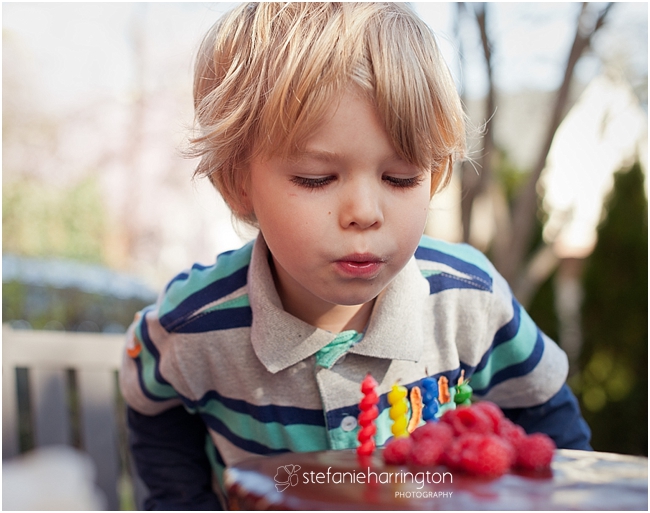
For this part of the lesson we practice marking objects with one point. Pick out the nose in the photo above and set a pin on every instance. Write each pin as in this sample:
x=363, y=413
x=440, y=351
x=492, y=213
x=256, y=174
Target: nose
x=360, y=206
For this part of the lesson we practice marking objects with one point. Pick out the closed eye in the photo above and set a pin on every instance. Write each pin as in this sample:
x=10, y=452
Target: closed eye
x=312, y=183
x=404, y=183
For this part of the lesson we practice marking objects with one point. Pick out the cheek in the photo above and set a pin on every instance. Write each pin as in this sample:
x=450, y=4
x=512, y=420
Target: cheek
x=289, y=223
x=413, y=211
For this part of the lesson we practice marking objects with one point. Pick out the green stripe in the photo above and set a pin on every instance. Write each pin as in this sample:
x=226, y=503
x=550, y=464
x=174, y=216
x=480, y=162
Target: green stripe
x=148, y=363
x=218, y=469
x=226, y=265
x=275, y=435
x=461, y=251
x=508, y=353
x=237, y=302
x=341, y=439
x=451, y=405
x=429, y=272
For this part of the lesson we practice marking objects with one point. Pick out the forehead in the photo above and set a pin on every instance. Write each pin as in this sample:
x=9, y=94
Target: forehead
x=349, y=128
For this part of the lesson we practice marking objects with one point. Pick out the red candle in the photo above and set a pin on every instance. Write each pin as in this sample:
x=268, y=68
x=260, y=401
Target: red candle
x=369, y=413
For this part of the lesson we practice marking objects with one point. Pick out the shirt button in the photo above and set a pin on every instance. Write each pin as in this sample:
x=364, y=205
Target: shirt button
x=348, y=423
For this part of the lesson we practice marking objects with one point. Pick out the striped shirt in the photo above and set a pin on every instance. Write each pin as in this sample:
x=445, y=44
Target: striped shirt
x=264, y=382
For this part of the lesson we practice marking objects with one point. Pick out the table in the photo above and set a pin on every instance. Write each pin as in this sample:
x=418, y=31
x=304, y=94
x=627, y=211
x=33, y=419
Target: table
x=578, y=480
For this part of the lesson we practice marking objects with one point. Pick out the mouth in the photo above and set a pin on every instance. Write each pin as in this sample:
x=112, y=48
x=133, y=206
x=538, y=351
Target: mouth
x=360, y=265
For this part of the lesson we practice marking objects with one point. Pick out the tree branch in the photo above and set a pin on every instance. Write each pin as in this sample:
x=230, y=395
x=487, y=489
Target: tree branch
x=474, y=184
x=525, y=206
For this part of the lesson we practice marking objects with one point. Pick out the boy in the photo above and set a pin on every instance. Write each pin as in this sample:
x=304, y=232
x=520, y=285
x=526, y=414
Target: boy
x=329, y=127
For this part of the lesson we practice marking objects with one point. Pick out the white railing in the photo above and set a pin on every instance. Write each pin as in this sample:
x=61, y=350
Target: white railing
x=49, y=356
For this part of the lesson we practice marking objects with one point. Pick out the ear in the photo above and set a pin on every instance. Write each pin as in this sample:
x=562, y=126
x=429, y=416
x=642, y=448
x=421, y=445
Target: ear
x=243, y=207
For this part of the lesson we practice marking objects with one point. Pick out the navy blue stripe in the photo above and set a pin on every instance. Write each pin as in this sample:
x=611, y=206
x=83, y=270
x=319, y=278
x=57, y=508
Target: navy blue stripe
x=180, y=276
x=146, y=340
x=226, y=319
x=506, y=332
x=285, y=415
x=509, y=330
x=145, y=390
x=198, y=267
x=443, y=281
x=212, y=292
x=433, y=255
x=247, y=445
x=517, y=370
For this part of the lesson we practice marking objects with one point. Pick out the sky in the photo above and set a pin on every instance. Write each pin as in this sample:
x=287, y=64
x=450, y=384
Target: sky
x=83, y=49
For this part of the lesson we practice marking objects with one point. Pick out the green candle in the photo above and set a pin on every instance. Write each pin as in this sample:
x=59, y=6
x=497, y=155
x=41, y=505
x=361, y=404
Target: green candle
x=463, y=391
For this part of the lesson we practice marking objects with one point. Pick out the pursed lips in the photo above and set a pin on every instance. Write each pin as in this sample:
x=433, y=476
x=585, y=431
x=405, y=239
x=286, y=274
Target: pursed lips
x=361, y=265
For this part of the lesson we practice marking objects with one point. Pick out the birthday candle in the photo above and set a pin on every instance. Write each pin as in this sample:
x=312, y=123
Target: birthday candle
x=369, y=413
x=398, y=409
x=463, y=391
x=430, y=399
x=443, y=390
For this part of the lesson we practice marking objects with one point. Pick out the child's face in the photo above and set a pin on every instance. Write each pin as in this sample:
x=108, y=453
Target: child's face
x=342, y=218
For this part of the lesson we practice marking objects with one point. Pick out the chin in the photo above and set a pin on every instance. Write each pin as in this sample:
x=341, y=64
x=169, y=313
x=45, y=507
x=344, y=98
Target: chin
x=354, y=299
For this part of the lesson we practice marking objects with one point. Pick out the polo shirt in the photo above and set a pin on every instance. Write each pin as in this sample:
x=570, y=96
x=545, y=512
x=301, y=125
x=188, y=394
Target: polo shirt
x=264, y=382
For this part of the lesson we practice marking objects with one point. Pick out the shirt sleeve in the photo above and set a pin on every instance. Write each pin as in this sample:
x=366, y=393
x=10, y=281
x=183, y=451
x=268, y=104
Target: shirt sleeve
x=518, y=366
x=169, y=453
x=559, y=418
x=523, y=371
x=146, y=360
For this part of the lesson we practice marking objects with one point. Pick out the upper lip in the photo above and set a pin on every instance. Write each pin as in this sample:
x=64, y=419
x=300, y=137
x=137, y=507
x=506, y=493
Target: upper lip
x=361, y=257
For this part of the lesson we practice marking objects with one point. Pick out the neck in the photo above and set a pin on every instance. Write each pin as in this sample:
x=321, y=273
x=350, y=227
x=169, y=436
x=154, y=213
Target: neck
x=337, y=318
x=328, y=316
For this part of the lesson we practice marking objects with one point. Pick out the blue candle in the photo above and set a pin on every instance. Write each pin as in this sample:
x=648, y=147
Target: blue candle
x=430, y=399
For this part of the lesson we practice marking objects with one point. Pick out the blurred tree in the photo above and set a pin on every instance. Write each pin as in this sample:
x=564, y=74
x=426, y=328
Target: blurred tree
x=612, y=383
x=473, y=183
x=41, y=220
x=513, y=251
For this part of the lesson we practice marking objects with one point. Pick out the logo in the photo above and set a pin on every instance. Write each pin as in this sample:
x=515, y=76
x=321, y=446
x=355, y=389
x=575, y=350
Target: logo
x=286, y=476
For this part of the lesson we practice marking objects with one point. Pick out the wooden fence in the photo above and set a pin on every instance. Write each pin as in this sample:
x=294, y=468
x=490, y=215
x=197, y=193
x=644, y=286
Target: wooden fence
x=61, y=388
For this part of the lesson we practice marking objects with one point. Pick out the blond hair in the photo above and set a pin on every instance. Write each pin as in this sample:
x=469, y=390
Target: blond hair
x=267, y=72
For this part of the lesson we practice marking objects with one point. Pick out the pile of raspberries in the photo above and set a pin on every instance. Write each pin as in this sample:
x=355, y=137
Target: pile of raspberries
x=476, y=439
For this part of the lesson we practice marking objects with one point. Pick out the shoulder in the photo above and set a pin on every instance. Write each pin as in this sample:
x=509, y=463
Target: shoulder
x=462, y=264
x=202, y=288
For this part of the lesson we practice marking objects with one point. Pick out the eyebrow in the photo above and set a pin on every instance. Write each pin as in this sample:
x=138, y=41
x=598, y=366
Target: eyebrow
x=321, y=155
x=328, y=156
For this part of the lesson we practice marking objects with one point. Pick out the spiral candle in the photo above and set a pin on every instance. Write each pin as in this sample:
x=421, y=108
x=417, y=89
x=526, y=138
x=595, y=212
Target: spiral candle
x=430, y=399
x=369, y=413
x=398, y=410
x=443, y=390
x=463, y=391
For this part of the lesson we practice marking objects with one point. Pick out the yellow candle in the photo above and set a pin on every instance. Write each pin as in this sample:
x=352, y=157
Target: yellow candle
x=398, y=410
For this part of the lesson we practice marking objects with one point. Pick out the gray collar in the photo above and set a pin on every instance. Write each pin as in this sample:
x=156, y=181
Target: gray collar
x=281, y=340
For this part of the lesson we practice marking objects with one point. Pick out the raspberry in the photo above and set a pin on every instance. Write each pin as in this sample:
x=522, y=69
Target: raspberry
x=435, y=430
x=491, y=410
x=481, y=454
x=428, y=451
x=454, y=453
x=510, y=432
x=535, y=452
x=398, y=451
x=469, y=419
